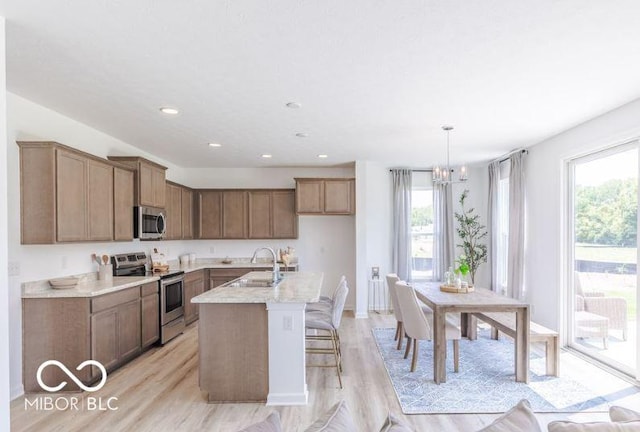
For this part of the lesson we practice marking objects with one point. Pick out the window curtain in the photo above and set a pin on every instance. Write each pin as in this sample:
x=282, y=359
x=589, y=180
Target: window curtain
x=494, y=217
x=515, y=267
x=402, y=223
x=443, y=248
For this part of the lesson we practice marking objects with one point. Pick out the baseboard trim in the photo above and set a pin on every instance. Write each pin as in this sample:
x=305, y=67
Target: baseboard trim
x=275, y=399
x=16, y=392
x=360, y=315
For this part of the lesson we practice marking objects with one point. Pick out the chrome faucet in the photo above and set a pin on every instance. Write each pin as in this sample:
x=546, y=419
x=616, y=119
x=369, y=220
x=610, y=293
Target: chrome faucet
x=276, y=267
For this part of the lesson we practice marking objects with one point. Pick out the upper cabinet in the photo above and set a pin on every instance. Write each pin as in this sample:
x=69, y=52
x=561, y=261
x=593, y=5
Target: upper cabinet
x=246, y=213
x=150, y=189
x=179, y=210
x=123, y=185
x=325, y=196
x=69, y=196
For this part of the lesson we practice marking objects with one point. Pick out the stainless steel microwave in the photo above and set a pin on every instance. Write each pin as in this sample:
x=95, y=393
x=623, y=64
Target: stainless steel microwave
x=149, y=223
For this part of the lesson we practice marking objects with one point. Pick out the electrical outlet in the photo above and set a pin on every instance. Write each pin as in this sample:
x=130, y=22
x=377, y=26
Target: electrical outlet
x=212, y=249
x=14, y=268
x=287, y=323
x=63, y=262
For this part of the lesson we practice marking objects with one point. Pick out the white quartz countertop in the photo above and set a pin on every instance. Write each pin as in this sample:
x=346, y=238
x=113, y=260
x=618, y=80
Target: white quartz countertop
x=89, y=286
x=295, y=287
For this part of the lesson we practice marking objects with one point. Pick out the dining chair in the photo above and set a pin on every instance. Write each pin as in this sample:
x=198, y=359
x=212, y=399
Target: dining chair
x=392, y=278
x=329, y=322
x=418, y=325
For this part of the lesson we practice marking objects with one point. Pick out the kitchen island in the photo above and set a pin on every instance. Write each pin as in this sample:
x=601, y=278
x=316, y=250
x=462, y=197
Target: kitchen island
x=251, y=338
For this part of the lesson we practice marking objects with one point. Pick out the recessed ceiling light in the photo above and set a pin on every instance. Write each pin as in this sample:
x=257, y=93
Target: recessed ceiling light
x=215, y=145
x=169, y=110
x=294, y=105
x=266, y=156
x=302, y=134
x=323, y=156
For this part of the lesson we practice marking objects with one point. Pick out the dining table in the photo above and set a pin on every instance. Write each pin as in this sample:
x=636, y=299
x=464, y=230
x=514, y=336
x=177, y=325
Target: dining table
x=465, y=303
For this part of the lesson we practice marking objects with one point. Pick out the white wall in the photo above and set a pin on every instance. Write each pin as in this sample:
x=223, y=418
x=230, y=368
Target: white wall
x=4, y=281
x=325, y=243
x=546, y=190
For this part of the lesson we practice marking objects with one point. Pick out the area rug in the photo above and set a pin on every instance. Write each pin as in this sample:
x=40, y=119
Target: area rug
x=485, y=383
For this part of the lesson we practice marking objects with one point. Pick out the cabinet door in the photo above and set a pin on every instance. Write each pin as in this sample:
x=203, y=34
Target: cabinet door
x=128, y=329
x=285, y=219
x=210, y=215
x=234, y=214
x=145, y=186
x=158, y=186
x=100, y=214
x=338, y=196
x=189, y=308
x=174, y=212
x=310, y=196
x=122, y=204
x=71, y=197
x=187, y=213
x=260, y=214
x=104, y=337
x=150, y=317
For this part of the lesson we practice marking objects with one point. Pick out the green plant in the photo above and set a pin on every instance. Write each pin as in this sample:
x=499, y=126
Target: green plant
x=471, y=233
x=462, y=267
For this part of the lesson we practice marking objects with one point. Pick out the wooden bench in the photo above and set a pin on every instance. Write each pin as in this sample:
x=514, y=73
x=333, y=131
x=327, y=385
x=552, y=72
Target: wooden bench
x=506, y=322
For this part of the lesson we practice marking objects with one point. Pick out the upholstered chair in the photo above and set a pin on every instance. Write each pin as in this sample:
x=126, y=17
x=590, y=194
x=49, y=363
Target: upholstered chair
x=392, y=278
x=418, y=325
x=325, y=303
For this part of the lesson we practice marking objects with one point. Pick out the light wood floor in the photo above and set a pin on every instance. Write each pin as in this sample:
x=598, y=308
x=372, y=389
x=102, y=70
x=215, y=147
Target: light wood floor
x=159, y=392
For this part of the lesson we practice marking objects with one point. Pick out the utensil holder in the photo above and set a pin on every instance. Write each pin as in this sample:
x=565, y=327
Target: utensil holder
x=105, y=272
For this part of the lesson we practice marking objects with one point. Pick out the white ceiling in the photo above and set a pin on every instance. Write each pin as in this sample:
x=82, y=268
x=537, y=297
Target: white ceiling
x=376, y=79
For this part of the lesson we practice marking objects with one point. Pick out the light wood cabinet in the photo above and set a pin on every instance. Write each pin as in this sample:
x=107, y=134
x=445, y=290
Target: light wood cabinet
x=122, y=204
x=111, y=329
x=234, y=214
x=209, y=214
x=150, y=187
x=246, y=214
x=327, y=196
x=193, y=286
x=187, y=213
x=104, y=338
x=272, y=214
x=174, y=212
x=70, y=196
x=219, y=277
x=100, y=201
x=149, y=314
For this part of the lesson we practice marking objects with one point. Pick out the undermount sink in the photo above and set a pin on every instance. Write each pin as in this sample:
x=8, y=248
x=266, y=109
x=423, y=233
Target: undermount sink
x=252, y=283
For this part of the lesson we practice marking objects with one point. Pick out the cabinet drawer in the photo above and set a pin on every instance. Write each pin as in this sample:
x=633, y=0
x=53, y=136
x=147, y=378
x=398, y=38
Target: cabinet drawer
x=194, y=276
x=110, y=300
x=148, y=289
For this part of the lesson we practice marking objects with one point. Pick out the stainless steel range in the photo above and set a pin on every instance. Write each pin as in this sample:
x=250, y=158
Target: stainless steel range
x=171, y=291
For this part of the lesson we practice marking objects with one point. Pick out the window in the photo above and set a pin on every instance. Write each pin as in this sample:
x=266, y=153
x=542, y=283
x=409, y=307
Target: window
x=421, y=226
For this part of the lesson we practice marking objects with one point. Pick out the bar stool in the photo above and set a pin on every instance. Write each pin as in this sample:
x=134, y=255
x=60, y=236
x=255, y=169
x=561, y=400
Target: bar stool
x=329, y=322
x=325, y=303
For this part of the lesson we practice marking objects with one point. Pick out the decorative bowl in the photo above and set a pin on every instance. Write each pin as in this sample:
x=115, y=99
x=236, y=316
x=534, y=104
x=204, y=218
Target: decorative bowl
x=64, y=283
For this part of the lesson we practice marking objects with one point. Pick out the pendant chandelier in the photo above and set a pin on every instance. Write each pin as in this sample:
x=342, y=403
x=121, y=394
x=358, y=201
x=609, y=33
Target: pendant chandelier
x=445, y=175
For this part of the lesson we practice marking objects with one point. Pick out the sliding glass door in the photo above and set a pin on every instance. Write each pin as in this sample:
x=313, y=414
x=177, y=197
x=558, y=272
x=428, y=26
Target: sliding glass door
x=603, y=280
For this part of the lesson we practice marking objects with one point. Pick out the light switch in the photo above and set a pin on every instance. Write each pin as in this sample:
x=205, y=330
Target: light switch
x=14, y=268
x=287, y=323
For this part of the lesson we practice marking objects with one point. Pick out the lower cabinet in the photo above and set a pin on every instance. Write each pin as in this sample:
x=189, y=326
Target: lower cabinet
x=149, y=314
x=193, y=286
x=112, y=329
x=219, y=277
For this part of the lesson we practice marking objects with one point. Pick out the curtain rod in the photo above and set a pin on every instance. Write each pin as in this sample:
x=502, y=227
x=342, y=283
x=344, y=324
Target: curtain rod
x=506, y=157
x=416, y=170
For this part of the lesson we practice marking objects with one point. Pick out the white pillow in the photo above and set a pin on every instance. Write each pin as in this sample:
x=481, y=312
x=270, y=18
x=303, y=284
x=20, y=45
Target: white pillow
x=393, y=424
x=520, y=418
x=337, y=419
x=619, y=414
x=270, y=424
x=567, y=426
